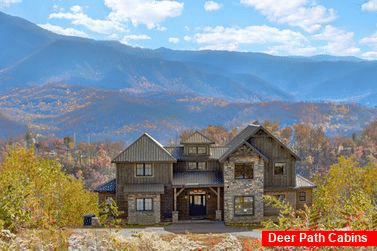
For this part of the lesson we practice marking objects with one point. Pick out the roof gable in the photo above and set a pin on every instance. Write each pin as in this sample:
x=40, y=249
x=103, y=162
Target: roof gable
x=197, y=138
x=144, y=149
x=245, y=134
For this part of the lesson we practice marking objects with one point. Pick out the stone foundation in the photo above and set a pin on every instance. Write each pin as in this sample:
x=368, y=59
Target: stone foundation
x=143, y=217
x=175, y=216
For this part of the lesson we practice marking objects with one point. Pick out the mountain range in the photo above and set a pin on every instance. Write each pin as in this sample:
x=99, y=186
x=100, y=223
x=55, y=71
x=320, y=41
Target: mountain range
x=69, y=85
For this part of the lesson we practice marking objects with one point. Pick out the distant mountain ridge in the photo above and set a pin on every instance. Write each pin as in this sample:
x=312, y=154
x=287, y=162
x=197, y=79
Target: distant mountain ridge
x=120, y=88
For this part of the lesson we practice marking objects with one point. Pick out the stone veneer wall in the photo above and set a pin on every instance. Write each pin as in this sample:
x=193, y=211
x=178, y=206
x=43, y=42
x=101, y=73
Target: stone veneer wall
x=243, y=187
x=143, y=217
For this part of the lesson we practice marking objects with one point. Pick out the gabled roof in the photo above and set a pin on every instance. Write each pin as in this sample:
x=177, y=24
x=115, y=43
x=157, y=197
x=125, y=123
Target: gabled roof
x=144, y=149
x=244, y=135
x=109, y=186
x=301, y=182
x=197, y=138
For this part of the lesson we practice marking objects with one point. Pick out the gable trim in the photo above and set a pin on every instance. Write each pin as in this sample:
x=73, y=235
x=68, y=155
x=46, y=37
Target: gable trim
x=232, y=150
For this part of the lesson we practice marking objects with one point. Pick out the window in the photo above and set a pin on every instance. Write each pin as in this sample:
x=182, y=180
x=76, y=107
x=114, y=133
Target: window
x=143, y=169
x=202, y=150
x=144, y=204
x=279, y=169
x=302, y=196
x=196, y=165
x=244, y=205
x=280, y=197
x=244, y=170
x=192, y=150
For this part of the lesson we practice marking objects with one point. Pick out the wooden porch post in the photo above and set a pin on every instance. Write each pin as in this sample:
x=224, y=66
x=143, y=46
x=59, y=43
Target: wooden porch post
x=218, y=198
x=175, y=199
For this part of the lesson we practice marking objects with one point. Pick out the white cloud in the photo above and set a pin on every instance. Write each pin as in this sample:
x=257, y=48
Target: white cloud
x=76, y=8
x=212, y=6
x=371, y=5
x=147, y=12
x=187, y=28
x=63, y=31
x=136, y=37
x=7, y=3
x=96, y=25
x=161, y=28
x=221, y=38
x=173, y=40
x=371, y=55
x=339, y=42
x=371, y=41
x=294, y=12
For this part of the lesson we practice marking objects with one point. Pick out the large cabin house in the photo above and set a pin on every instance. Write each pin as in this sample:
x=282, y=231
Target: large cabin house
x=199, y=180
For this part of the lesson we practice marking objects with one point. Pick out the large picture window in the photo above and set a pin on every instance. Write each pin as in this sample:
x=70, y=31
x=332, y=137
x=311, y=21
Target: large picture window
x=144, y=169
x=244, y=205
x=144, y=204
x=279, y=169
x=244, y=170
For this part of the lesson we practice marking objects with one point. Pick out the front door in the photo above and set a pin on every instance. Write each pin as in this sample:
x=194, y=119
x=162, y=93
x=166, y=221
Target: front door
x=197, y=205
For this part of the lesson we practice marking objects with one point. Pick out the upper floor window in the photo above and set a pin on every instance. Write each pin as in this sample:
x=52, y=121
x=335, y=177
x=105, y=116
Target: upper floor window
x=202, y=150
x=192, y=150
x=244, y=170
x=302, y=196
x=244, y=205
x=144, y=204
x=197, y=165
x=279, y=169
x=144, y=169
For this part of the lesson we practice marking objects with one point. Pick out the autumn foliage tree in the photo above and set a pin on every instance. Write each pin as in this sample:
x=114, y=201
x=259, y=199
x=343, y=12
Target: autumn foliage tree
x=35, y=192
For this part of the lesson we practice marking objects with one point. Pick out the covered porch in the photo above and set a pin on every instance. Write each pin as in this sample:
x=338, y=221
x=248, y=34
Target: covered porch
x=197, y=195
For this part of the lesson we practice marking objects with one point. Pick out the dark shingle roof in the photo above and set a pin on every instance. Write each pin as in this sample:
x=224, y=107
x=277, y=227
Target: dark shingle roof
x=197, y=138
x=143, y=149
x=144, y=188
x=301, y=182
x=109, y=186
x=188, y=179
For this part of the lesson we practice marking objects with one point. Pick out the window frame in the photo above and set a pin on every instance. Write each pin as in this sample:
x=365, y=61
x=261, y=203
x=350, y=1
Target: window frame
x=202, y=147
x=196, y=166
x=190, y=148
x=244, y=214
x=302, y=195
x=143, y=209
x=284, y=164
x=244, y=173
x=143, y=169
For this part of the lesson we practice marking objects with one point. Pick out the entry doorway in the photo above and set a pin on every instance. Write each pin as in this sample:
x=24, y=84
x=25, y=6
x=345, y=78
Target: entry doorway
x=197, y=205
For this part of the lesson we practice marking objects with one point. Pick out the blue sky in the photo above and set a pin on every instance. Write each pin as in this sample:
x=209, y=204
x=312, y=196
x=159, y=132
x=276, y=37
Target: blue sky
x=278, y=27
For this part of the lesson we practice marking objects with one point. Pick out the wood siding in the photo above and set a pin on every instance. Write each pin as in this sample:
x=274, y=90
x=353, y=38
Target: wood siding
x=161, y=174
x=277, y=154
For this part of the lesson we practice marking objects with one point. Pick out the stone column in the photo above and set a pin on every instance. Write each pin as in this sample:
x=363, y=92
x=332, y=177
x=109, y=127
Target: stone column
x=175, y=216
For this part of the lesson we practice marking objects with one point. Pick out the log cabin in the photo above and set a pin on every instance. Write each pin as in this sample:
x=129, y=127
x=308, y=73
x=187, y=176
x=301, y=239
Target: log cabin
x=200, y=180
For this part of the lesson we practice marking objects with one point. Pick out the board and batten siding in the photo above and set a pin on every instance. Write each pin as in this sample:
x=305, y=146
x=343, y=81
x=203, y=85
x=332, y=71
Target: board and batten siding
x=277, y=154
x=161, y=174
